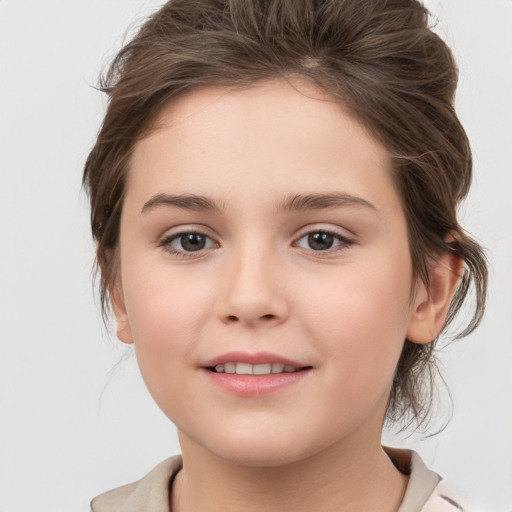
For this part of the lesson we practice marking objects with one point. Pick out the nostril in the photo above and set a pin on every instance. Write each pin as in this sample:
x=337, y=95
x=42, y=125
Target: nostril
x=265, y=318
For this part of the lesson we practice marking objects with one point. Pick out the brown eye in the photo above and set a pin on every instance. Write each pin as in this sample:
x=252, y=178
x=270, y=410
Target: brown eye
x=191, y=242
x=187, y=242
x=322, y=241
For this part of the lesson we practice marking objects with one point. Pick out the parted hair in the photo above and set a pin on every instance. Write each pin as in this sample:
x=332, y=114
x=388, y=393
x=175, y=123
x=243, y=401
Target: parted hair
x=378, y=58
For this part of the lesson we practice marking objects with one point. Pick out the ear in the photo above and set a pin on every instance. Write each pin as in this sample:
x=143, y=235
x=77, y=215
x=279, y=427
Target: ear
x=431, y=305
x=124, y=331
x=108, y=262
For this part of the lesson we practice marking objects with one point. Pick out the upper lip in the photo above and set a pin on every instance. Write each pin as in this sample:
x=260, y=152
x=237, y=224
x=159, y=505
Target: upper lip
x=251, y=358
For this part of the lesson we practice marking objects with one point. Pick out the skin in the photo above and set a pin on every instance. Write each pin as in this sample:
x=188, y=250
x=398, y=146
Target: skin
x=259, y=285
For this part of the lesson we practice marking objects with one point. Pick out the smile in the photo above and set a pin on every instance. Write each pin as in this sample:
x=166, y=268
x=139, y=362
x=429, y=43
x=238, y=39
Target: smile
x=254, y=374
x=254, y=369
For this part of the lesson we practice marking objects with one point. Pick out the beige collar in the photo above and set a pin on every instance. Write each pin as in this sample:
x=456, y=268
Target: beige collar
x=422, y=481
x=151, y=493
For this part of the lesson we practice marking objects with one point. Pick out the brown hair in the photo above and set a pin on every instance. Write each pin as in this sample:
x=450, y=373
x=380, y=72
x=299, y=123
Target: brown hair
x=378, y=58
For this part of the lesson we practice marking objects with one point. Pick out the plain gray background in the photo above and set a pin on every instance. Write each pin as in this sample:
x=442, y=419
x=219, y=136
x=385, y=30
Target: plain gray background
x=75, y=423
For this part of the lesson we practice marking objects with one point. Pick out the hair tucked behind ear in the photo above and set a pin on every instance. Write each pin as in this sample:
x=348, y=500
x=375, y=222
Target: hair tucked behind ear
x=377, y=57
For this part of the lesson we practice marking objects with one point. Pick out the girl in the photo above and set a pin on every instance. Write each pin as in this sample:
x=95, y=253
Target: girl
x=273, y=196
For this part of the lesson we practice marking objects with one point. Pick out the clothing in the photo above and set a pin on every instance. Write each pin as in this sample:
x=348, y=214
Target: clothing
x=151, y=493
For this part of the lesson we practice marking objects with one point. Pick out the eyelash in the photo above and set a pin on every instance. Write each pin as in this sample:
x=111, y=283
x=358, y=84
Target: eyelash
x=343, y=243
x=166, y=242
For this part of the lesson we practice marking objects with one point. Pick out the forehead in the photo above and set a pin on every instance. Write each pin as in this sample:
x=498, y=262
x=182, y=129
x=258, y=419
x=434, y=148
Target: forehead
x=287, y=137
x=294, y=108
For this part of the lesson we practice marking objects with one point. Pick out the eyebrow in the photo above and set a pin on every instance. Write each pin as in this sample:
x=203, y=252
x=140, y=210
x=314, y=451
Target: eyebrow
x=293, y=203
x=301, y=202
x=185, y=202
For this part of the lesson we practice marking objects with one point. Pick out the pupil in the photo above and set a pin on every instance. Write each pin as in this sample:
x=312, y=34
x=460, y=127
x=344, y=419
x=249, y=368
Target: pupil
x=193, y=242
x=320, y=241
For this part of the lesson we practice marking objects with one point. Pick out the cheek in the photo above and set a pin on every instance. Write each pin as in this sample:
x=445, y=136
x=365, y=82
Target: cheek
x=167, y=316
x=360, y=319
x=159, y=297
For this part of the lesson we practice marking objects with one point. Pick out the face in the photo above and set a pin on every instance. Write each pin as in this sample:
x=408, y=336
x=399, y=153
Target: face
x=265, y=273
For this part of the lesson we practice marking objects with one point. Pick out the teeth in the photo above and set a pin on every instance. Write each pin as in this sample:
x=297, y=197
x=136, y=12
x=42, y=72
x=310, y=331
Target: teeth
x=254, y=369
x=244, y=369
x=229, y=368
x=277, y=367
x=261, y=369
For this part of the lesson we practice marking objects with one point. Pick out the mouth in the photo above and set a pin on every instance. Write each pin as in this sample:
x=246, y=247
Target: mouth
x=260, y=363
x=246, y=374
x=255, y=369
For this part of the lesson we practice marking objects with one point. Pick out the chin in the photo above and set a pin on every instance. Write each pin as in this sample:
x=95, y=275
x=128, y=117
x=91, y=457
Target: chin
x=260, y=449
x=259, y=459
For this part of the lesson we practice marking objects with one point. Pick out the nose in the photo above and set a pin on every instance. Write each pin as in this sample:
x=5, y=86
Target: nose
x=252, y=290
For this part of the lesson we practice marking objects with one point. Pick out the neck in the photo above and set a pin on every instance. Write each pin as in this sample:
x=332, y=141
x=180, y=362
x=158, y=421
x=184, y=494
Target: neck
x=345, y=478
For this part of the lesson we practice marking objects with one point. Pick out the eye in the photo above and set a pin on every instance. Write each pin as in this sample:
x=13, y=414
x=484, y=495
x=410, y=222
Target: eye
x=322, y=240
x=187, y=242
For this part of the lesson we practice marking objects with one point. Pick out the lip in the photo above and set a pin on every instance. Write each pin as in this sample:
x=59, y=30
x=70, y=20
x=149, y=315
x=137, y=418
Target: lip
x=251, y=358
x=254, y=385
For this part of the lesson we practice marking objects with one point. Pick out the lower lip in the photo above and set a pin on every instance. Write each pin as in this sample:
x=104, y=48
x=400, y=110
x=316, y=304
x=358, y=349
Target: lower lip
x=255, y=385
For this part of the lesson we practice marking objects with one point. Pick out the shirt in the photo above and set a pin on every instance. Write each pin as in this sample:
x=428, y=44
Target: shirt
x=151, y=493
